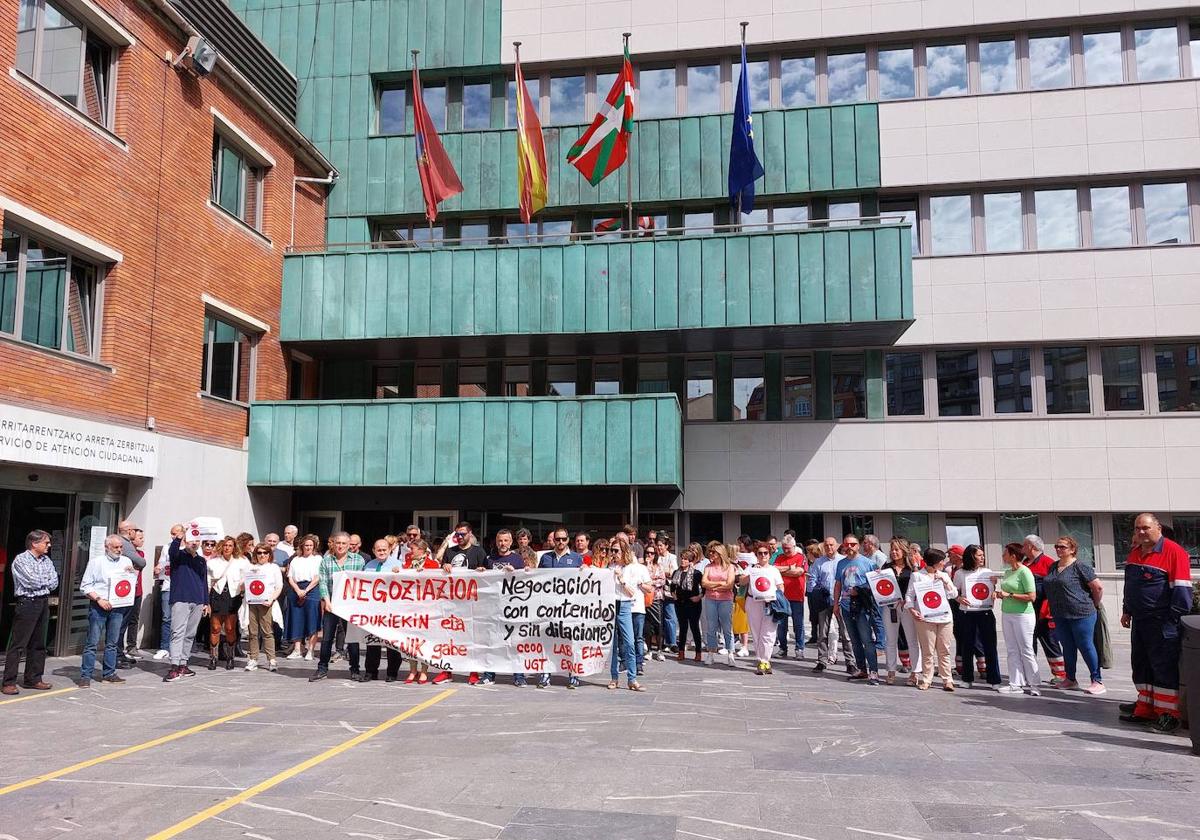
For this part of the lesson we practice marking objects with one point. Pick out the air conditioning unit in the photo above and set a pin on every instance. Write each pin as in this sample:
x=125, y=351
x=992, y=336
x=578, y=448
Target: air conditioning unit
x=199, y=56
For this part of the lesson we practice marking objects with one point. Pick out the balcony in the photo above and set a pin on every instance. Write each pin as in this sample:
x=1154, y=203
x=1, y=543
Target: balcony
x=500, y=442
x=843, y=286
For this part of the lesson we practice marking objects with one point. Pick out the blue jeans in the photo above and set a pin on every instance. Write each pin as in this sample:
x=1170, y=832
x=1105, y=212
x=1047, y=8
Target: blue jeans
x=1076, y=636
x=781, y=628
x=164, y=636
x=670, y=624
x=639, y=638
x=860, y=624
x=718, y=618
x=622, y=646
x=110, y=623
x=880, y=634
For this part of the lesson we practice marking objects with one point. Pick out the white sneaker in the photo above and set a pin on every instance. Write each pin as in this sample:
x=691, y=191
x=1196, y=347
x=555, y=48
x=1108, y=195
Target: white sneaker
x=708, y=658
x=251, y=665
x=162, y=654
x=1009, y=689
x=798, y=656
x=732, y=660
x=743, y=651
x=721, y=651
x=271, y=665
x=295, y=655
x=308, y=655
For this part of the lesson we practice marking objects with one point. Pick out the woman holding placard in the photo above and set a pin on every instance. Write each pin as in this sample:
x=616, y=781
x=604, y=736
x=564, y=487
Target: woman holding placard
x=1074, y=592
x=977, y=621
x=304, y=602
x=263, y=586
x=419, y=558
x=1017, y=591
x=762, y=582
x=896, y=617
x=224, y=583
x=928, y=601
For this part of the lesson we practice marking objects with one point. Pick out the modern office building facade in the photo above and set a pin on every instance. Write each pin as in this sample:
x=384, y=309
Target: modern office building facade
x=963, y=310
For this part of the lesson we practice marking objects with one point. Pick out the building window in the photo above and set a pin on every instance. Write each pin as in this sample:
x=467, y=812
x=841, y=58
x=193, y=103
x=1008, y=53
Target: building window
x=387, y=383
x=472, y=380
x=998, y=66
x=477, y=105
x=1066, y=372
x=759, y=73
x=705, y=527
x=797, y=388
x=1057, y=219
x=896, y=77
x=48, y=297
x=409, y=234
x=656, y=93
x=958, y=383
x=434, y=97
x=757, y=526
x=1157, y=52
x=964, y=529
x=700, y=389
x=1187, y=534
x=1015, y=527
x=566, y=100
x=393, y=110
x=606, y=378
x=652, y=378
x=905, y=385
x=849, y=386
x=1080, y=528
x=1002, y=221
x=1050, y=61
x=561, y=379
x=946, y=69
x=1167, y=220
x=858, y=524
x=698, y=224
x=749, y=389
x=1194, y=47
x=842, y=213
x=516, y=380
x=1110, y=217
x=228, y=363
x=807, y=526
x=906, y=208
x=704, y=89
x=1122, y=525
x=236, y=184
x=798, y=82
x=950, y=223
x=847, y=74
x=604, y=83
x=1178, y=367
x=1012, y=382
x=1121, y=367
x=1102, y=58
x=539, y=232
x=913, y=527
x=66, y=58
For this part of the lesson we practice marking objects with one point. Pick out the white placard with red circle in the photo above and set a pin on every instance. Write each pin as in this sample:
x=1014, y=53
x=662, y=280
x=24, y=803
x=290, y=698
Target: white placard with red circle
x=259, y=587
x=761, y=583
x=204, y=528
x=122, y=588
x=979, y=590
x=884, y=587
x=931, y=598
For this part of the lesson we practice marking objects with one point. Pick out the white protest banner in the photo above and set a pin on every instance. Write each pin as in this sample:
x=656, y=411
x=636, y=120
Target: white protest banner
x=884, y=587
x=760, y=584
x=980, y=590
x=259, y=585
x=204, y=528
x=553, y=621
x=121, y=588
x=931, y=598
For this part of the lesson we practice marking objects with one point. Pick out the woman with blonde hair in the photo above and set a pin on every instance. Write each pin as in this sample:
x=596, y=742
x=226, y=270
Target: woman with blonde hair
x=632, y=579
x=897, y=620
x=600, y=555
x=224, y=589
x=718, y=583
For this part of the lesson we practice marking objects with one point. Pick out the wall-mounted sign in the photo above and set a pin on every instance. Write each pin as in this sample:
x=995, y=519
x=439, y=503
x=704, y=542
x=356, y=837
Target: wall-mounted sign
x=28, y=436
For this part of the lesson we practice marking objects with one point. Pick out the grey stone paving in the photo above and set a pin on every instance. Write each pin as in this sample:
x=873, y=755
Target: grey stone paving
x=707, y=753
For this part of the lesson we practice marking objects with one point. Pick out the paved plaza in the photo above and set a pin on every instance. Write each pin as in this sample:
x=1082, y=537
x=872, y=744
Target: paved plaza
x=706, y=753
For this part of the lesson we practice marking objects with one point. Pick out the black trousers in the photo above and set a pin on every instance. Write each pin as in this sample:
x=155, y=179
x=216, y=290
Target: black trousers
x=330, y=624
x=976, y=630
x=688, y=614
x=129, y=633
x=30, y=619
x=373, y=655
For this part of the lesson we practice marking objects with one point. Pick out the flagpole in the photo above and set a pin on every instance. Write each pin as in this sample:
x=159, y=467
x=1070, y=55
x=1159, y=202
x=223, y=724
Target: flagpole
x=629, y=164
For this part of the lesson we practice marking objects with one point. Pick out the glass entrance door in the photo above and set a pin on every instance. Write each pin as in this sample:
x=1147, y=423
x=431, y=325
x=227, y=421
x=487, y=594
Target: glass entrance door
x=21, y=512
x=73, y=616
x=435, y=524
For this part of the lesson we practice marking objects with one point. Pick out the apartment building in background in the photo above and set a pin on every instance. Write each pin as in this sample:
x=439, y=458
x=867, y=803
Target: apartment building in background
x=147, y=203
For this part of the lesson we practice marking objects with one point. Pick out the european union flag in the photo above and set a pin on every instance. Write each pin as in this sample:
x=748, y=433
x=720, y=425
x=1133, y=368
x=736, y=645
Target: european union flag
x=744, y=165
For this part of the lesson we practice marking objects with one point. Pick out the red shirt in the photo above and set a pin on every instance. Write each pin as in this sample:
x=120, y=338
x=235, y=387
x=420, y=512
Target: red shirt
x=793, y=587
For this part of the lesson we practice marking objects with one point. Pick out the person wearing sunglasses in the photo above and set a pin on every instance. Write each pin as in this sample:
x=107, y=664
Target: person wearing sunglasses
x=560, y=557
x=852, y=599
x=762, y=581
x=261, y=616
x=632, y=579
x=1074, y=592
x=189, y=599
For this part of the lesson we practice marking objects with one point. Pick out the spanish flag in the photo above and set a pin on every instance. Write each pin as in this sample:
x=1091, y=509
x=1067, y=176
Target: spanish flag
x=531, y=152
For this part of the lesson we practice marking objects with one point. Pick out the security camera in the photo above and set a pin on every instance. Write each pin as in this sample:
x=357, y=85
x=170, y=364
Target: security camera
x=198, y=56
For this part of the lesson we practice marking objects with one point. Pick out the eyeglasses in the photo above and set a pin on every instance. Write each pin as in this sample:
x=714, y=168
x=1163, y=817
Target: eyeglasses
x=208, y=544
x=614, y=551
x=763, y=553
x=413, y=534
x=851, y=545
x=460, y=534
x=560, y=539
x=1062, y=548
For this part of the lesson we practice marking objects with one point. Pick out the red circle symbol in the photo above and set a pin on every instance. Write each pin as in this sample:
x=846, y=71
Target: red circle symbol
x=123, y=588
x=981, y=591
x=257, y=587
x=933, y=600
x=761, y=583
x=195, y=532
x=884, y=587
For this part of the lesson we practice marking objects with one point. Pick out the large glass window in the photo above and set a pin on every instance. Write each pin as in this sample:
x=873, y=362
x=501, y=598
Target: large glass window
x=1066, y=370
x=896, y=75
x=807, y=526
x=1167, y=218
x=47, y=296
x=847, y=77
x=516, y=381
x=566, y=100
x=704, y=89
x=950, y=223
x=958, y=383
x=843, y=213
x=606, y=378
x=905, y=384
x=393, y=110
x=1157, y=52
x=849, y=386
x=1012, y=381
x=697, y=224
x=913, y=527
x=759, y=77
x=434, y=97
x=65, y=57
x=1057, y=214
x=964, y=529
x=656, y=93
x=1122, y=525
x=790, y=216
x=477, y=105
x=946, y=69
x=749, y=389
x=798, y=78
x=906, y=207
x=1050, y=61
x=10, y=265
x=700, y=389
x=1015, y=527
x=1121, y=367
x=652, y=378
x=228, y=360
x=1178, y=367
x=472, y=380
x=1110, y=217
x=1080, y=528
x=998, y=66
x=42, y=301
x=1187, y=534
x=1102, y=58
x=797, y=388
x=561, y=379
x=1002, y=221
x=236, y=184
x=859, y=524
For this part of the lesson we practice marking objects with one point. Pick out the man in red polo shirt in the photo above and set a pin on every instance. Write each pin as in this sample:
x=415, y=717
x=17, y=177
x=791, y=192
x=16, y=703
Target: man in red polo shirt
x=1158, y=592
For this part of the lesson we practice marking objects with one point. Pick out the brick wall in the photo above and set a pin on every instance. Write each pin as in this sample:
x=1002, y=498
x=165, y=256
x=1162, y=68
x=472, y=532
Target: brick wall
x=150, y=202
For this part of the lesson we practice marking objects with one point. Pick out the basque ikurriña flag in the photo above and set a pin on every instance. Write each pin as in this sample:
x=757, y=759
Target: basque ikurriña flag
x=604, y=146
x=439, y=181
x=744, y=165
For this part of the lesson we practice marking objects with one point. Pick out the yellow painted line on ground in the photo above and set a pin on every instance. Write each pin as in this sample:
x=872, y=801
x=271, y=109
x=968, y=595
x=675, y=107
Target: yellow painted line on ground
x=39, y=694
x=267, y=784
x=92, y=762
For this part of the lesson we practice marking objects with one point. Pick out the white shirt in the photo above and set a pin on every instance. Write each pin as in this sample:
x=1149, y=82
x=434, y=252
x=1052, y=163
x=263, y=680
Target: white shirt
x=304, y=569
x=668, y=563
x=223, y=575
x=633, y=575
x=286, y=546
x=763, y=582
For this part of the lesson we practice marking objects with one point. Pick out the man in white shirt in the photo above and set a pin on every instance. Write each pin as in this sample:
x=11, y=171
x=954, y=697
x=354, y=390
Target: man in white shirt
x=98, y=584
x=288, y=543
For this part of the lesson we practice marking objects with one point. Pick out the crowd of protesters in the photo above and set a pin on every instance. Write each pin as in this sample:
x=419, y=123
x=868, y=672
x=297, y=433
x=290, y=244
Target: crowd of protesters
x=745, y=600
